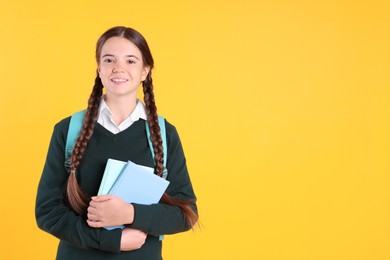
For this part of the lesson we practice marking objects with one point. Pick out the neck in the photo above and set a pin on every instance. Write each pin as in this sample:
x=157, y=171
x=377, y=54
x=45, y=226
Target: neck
x=121, y=107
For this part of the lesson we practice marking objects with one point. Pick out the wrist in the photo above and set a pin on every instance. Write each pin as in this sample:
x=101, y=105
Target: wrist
x=130, y=214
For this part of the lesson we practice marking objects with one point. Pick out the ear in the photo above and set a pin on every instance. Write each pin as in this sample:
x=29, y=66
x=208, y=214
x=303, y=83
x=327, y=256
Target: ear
x=145, y=72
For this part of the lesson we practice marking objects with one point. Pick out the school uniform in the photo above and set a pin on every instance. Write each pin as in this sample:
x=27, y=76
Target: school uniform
x=128, y=141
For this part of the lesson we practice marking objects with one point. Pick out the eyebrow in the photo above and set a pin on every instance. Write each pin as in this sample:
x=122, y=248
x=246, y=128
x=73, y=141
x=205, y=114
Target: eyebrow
x=111, y=55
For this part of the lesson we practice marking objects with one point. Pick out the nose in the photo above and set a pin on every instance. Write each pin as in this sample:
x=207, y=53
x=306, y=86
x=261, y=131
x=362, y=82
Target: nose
x=118, y=67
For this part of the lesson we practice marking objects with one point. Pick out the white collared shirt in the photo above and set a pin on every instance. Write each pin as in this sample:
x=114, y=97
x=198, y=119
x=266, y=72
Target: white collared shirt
x=105, y=117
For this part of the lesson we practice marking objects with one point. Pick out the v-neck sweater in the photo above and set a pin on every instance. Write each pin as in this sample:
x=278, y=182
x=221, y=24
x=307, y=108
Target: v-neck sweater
x=77, y=239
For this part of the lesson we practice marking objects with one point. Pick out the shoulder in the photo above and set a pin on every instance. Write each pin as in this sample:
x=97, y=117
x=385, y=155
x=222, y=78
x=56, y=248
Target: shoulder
x=63, y=124
x=60, y=132
x=172, y=135
x=170, y=129
x=61, y=128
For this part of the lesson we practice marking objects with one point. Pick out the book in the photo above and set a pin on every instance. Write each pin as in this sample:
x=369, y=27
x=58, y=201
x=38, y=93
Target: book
x=135, y=184
x=132, y=183
x=111, y=173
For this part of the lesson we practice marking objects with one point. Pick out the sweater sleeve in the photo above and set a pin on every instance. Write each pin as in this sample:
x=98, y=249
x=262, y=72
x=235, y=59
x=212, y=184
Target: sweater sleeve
x=52, y=213
x=159, y=219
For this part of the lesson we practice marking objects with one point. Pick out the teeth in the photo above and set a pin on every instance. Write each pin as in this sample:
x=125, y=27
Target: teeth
x=119, y=80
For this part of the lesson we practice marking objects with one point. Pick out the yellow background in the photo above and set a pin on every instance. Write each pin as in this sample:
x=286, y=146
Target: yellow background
x=282, y=108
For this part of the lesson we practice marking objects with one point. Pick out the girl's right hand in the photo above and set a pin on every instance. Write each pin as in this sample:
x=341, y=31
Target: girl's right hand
x=132, y=239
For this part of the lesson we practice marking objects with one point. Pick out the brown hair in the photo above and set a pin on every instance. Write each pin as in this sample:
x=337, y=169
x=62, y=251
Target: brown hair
x=79, y=199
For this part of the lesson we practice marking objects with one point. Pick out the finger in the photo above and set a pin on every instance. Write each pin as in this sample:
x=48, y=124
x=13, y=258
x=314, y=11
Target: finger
x=92, y=210
x=92, y=204
x=92, y=217
x=100, y=198
x=94, y=224
x=96, y=204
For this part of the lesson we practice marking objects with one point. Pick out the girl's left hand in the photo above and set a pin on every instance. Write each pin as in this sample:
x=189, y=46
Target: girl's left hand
x=109, y=210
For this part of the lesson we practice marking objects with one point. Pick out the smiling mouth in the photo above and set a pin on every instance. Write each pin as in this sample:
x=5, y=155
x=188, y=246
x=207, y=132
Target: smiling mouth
x=119, y=80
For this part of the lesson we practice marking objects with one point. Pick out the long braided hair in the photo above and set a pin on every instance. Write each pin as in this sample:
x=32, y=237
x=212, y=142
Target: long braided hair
x=78, y=198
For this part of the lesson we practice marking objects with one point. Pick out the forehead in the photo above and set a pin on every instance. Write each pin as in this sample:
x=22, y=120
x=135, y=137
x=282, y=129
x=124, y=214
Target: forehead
x=119, y=46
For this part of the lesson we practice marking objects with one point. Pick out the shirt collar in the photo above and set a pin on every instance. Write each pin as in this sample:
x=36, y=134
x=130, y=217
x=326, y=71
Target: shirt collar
x=105, y=115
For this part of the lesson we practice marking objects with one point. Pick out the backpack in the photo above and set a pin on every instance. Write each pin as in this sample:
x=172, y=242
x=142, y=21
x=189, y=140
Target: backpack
x=76, y=123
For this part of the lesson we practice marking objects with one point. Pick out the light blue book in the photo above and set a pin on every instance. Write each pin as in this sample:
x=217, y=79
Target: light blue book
x=111, y=173
x=134, y=184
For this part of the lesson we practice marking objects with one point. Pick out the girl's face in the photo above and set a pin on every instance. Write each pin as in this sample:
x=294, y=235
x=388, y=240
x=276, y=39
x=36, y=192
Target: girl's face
x=121, y=68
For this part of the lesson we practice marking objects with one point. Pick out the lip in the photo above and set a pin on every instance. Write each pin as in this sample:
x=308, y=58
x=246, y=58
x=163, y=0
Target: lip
x=119, y=81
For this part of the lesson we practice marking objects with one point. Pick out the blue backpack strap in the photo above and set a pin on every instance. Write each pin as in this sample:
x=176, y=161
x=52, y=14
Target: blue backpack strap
x=161, y=123
x=75, y=125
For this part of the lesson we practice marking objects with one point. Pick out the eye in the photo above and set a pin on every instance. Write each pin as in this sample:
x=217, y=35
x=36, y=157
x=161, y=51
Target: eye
x=131, y=61
x=108, y=60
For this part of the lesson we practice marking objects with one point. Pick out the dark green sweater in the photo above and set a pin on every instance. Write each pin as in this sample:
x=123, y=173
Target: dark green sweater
x=78, y=240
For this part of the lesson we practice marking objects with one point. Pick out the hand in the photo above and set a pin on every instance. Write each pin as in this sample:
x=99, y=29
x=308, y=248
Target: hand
x=109, y=210
x=132, y=239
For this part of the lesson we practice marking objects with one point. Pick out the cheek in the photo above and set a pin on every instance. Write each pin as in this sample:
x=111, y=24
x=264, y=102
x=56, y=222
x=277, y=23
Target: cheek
x=102, y=72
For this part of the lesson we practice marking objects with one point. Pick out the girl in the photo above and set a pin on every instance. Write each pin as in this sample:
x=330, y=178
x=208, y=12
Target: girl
x=114, y=127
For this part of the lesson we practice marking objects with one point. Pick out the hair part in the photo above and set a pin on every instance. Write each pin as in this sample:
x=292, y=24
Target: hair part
x=78, y=199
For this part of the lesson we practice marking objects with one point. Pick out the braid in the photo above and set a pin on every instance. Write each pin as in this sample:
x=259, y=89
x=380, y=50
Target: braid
x=78, y=198
x=155, y=136
x=152, y=118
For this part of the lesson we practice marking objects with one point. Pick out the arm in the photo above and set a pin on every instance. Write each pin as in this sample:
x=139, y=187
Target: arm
x=158, y=219
x=53, y=214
